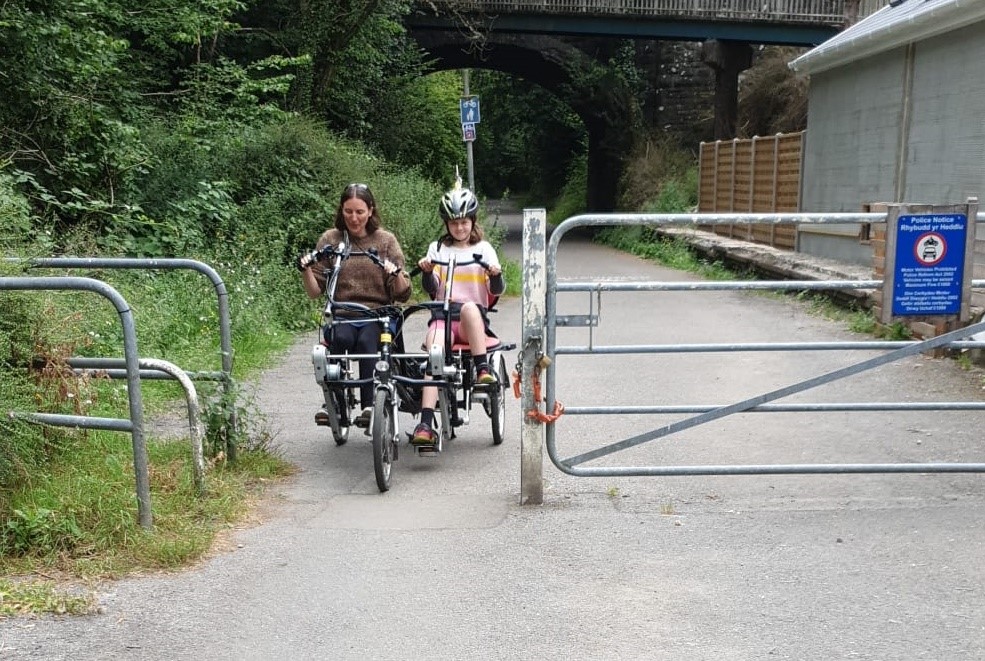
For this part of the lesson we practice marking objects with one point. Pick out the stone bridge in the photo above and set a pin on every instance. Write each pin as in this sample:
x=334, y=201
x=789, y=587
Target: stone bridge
x=559, y=45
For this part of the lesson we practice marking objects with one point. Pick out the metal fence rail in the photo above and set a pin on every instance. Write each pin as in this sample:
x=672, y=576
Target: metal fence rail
x=762, y=403
x=831, y=12
x=135, y=425
x=112, y=365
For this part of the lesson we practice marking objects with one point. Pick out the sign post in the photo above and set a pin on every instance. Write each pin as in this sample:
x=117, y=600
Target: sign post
x=468, y=107
x=928, y=265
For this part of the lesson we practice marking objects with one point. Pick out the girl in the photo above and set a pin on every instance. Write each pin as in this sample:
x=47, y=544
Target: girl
x=473, y=286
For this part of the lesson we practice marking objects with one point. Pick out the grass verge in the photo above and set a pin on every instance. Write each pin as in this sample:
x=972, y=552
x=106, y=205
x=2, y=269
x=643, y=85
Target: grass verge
x=80, y=520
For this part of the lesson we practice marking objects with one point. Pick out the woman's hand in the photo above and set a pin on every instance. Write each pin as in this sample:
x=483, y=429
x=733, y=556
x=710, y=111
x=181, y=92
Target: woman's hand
x=390, y=267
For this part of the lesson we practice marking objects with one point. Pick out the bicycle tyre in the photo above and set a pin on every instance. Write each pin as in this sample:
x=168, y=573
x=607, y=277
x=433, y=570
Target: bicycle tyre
x=383, y=434
x=497, y=404
x=341, y=434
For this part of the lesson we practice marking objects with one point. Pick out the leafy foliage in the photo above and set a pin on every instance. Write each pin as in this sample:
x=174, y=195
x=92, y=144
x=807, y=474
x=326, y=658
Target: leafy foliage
x=520, y=150
x=772, y=97
x=661, y=177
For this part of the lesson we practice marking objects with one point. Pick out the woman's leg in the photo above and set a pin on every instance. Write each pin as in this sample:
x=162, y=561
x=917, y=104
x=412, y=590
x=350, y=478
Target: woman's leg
x=367, y=340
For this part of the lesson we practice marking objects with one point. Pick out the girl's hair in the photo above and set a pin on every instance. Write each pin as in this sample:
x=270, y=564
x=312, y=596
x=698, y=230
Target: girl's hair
x=475, y=235
x=363, y=193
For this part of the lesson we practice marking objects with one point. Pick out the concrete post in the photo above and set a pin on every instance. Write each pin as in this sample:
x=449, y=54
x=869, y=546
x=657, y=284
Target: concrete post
x=533, y=264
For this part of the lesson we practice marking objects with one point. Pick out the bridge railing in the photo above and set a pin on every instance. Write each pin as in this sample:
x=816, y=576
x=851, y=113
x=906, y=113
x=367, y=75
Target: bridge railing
x=792, y=11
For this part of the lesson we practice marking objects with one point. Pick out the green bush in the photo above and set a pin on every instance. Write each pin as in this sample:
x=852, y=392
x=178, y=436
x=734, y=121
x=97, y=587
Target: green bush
x=574, y=196
x=15, y=212
x=676, y=194
x=39, y=531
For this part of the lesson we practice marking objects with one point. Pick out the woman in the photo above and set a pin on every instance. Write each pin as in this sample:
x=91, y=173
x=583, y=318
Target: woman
x=360, y=280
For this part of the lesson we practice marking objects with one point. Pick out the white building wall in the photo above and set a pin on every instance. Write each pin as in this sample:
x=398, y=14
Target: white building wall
x=855, y=116
x=946, y=159
x=851, y=150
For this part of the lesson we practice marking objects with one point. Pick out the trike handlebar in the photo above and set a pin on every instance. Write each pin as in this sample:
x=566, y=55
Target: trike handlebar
x=338, y=251
x=476, y=259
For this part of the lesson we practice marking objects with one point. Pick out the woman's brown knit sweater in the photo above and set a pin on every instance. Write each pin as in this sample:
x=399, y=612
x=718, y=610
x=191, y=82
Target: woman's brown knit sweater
x=362, y=281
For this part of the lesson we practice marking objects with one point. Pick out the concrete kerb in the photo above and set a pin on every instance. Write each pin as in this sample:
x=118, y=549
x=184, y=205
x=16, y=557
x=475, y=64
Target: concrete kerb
x=773, y=263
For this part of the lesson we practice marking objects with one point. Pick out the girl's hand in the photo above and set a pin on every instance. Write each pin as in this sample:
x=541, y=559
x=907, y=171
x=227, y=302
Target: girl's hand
x=495, y=270
x=426, y=265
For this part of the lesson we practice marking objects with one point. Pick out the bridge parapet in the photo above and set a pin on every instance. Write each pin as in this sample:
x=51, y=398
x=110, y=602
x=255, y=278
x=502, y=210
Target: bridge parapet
x=816, y=12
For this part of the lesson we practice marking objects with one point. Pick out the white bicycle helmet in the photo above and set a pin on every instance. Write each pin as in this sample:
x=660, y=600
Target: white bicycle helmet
x=458, y=202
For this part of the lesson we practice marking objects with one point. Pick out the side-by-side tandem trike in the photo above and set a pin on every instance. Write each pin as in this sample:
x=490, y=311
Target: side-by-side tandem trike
x=399, y=375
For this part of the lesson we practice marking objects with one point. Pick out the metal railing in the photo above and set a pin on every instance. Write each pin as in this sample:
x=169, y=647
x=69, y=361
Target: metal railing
x=823, y=12
x=544, y=350
x=135, y=424
x=112, y=366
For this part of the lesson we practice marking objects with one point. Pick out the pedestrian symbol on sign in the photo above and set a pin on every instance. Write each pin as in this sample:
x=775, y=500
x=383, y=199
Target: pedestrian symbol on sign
x=468, y=132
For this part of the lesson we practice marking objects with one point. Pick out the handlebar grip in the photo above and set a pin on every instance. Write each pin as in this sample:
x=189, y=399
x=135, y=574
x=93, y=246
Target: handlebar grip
x=306, y=260
x=319, y=254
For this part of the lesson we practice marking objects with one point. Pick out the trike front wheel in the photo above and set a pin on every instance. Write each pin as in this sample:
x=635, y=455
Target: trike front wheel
x=339, y=432
x=496, y=407
x=384, y=431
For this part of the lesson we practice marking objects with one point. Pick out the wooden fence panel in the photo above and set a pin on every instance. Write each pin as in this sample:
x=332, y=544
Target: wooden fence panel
x=758, y=175
x=707, y=183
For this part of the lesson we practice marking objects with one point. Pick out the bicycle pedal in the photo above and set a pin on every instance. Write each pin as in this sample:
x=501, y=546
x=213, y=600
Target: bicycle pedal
x=427, y=450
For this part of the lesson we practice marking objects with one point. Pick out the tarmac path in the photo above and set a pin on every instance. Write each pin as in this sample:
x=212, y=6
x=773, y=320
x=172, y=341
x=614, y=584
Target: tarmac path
x=448, y=565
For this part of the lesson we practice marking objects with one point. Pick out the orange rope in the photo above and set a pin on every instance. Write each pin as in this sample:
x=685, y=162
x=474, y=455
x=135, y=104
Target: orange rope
x=535, y=413
x=544, y=417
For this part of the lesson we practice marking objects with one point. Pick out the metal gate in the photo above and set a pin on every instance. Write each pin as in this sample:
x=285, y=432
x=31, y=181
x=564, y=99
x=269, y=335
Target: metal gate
x=540, y=351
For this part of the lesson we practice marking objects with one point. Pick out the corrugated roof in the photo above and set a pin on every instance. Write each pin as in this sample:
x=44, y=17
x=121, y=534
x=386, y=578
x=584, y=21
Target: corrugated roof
x=888, y=28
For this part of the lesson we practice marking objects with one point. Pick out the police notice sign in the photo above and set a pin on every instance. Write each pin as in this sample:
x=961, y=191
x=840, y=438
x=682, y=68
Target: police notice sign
x=928, y=272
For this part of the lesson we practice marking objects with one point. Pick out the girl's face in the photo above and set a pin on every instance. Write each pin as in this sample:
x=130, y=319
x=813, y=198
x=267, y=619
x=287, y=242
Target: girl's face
x=460, y=229
x=356, y=213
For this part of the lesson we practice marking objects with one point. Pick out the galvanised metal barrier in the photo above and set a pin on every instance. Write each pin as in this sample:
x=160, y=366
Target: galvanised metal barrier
x=135, y=425
x=830, y=12
x=112, y=366
x=538, y=352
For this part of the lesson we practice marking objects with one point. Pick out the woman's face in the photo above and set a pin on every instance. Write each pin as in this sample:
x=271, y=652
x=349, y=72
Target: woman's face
x=356, y=212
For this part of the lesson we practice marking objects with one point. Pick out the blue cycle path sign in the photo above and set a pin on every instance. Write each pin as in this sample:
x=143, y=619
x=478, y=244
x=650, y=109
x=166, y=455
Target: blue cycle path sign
x=469, y=106
x=929, y=269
